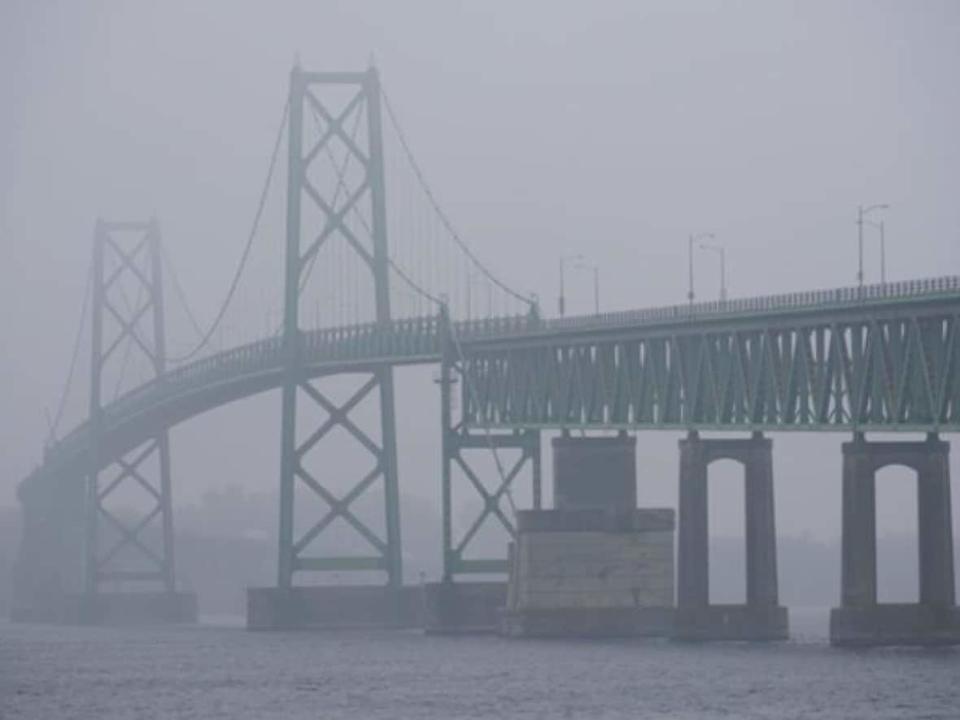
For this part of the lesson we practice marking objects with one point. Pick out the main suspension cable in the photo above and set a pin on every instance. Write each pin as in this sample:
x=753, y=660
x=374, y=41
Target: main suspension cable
x=444, y=219
x=61, y=405
x=341, y=184
x=178, y=290
x=246, y=250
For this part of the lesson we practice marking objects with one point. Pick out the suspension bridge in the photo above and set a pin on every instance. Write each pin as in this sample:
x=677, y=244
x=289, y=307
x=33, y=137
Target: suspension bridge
x=373, y=281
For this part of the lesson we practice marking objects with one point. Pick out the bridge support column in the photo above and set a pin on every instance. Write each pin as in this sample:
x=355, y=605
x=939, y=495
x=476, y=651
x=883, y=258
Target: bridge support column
x=128, y=562
x=50, y=563
x=860, y=619
x=595, y=565
x=761, y=617
x=318, y=217
x=474, y=606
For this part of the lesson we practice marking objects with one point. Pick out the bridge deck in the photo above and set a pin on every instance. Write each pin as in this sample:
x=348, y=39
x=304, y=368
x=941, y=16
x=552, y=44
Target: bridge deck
x=786, y=337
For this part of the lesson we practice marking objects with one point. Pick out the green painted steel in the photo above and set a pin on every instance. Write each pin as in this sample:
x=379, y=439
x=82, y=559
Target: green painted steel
x=479, y=566
x=884, y=360
x=865, y=364
x=339, y=564
x=116, y=546
x=256, y=367
x=460, y=443
x=307, y=95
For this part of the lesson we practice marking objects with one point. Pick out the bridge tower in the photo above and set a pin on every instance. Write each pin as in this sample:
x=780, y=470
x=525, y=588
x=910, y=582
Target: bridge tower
x=122, y=551
x=314, y=218
x=452, y=606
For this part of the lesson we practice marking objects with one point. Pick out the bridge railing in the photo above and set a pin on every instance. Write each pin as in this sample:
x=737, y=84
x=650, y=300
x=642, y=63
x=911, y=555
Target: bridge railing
x=400, y=338
x=816, y=299
x=421, y=337
x=493, y=326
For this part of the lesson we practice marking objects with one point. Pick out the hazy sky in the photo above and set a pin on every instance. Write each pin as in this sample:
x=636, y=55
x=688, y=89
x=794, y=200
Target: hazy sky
x=614, y=129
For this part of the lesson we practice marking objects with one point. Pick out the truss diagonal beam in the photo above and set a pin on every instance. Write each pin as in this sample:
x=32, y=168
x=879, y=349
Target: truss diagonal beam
x=335, y=124
x=491, y=502
x=131, y=536
x=340, y=508
x=148, y=275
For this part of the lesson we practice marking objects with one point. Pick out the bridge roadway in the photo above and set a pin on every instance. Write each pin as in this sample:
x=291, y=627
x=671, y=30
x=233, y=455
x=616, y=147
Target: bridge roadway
x=884, y=357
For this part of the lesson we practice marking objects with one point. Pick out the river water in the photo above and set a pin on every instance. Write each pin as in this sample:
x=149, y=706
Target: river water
x=218, y=670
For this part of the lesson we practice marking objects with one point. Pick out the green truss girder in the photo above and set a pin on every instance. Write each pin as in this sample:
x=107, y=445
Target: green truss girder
x=896, y=372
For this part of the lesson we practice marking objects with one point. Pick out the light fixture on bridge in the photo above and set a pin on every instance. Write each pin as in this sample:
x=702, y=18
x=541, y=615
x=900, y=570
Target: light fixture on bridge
x=883, y=248
x=862, y=212
x=722, y=252
x=692, y=241
x=562, y=301
x=596, y=283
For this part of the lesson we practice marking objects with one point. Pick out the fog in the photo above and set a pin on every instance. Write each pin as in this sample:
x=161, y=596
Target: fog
x=604, y=135
x=610, y=129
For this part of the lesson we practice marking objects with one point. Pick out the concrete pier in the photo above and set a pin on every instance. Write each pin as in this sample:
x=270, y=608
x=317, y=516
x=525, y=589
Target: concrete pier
x=595, y=566
x=593, y=572
x=860, y=619
x=761, y=617
x=591, y=472
x=334, y=606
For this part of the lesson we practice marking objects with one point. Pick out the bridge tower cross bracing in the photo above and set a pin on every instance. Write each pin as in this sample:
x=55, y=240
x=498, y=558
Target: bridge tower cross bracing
x=134, y=249
x=461, y=444
x=307, y=90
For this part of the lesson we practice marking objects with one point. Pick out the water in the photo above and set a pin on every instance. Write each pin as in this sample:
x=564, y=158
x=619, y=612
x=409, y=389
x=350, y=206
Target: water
x=216, y=671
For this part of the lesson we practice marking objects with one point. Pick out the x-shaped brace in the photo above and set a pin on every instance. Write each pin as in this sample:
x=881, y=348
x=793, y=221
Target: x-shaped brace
x=127, y=261
x=130, y=536
x=335, y=127
x=335, y=222
x=128, y=328
x=131, y=469
x=339, y=507
x=491, y=500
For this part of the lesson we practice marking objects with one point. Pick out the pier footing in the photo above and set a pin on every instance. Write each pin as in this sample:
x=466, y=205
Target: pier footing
x=731, y=622
x=895, y=624
x=589, y=622
x=463, y=608
x=131, y=608
x=591, y=572
x=340, y=606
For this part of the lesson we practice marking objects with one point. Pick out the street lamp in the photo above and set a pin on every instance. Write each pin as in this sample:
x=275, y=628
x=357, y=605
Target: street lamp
x=596, y=284
x=861, y=214
x=722, y=252
x=883, y=249
x=562, y=303
x=693, y=239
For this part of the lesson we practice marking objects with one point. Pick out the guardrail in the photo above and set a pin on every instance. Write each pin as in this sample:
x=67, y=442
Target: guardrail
x=810, y=300
x=420, y=337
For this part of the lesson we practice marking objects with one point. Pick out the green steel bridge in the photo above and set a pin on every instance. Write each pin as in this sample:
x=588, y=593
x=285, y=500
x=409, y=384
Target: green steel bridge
x=874, y=358
x=880, y=358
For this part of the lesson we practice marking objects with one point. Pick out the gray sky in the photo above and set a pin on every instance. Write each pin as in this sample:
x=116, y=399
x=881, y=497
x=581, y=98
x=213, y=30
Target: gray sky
x=613, y=129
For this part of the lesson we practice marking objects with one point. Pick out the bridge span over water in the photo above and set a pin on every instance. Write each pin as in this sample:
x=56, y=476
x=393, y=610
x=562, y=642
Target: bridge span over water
x=878, y=358
x=874, y=358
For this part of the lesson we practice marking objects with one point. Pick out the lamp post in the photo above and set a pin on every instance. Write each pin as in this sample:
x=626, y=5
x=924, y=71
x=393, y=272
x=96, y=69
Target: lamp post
x=562, y=302
x=722, y=252
x=883, y=249
x=862, y=212
x=596, y=284
x=692, y=241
